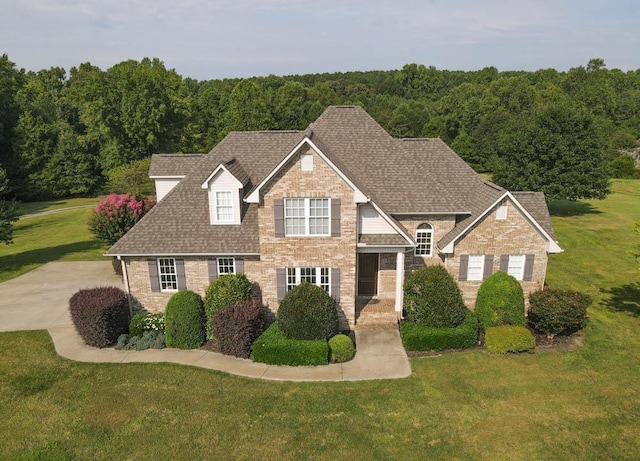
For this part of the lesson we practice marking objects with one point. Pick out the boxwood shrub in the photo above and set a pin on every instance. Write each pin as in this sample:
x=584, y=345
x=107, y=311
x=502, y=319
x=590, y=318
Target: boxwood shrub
x=556, y=311
x=237, y=327
x=416, y=337
x=223, y=292
x=184, y=320
x=100, y=315
x=432, y=298
x=308, y=312
x=274, y=348
x=509, y=338
x=341, y=349
x=500, y=301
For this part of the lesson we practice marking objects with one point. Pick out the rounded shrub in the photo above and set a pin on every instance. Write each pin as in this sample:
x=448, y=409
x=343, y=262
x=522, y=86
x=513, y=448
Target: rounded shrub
x=184, y=320
x=555, y=311
x=146, y=321
x=432, y=298
x=509, y=338
x=500, y=301
x=238, y=326
x=137, y=324
x=308, y=312
x=341, y=348
x=223, y=292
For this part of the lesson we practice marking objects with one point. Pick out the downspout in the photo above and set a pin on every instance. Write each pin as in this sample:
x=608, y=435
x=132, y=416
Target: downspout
x=125, y=280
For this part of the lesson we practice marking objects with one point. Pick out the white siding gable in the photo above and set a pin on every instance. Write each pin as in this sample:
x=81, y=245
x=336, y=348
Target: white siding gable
x=223, y=181
x=164, y=186
x=371, y=222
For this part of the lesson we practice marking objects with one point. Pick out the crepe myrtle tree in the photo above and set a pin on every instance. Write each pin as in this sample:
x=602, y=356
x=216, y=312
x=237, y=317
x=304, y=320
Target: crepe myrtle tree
x=115, y=215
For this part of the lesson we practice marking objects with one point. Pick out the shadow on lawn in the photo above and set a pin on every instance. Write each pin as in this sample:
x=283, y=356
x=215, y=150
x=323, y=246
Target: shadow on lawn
x=15, y=262
x=625, y=298
x=569, y=208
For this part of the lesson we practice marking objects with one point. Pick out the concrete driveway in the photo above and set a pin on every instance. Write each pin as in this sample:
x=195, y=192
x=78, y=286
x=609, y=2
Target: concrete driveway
x=39, y=299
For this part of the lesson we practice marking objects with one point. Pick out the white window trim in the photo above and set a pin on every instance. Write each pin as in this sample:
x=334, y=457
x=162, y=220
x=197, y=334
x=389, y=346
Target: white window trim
x=469, y=275
x=429, y=233
x=519, y=275
x=307, y=216
x=219, y=263
x=232, y=215
x=298, y=277
x=161, y=273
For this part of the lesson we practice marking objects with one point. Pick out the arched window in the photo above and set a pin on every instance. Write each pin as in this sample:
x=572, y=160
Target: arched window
x=424, y=240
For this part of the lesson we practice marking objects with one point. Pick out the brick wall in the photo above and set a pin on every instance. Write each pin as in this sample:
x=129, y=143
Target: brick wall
x=442, y=225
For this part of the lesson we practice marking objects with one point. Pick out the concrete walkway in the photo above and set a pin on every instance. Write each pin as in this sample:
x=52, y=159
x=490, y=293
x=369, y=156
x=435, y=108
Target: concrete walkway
x=39, y=300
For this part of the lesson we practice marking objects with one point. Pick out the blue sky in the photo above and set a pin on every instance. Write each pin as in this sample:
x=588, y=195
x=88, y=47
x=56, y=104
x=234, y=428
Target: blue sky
x=206, y=39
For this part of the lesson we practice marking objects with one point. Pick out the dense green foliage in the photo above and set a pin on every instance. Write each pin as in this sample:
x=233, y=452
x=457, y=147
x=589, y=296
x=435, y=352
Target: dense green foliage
x=553, y=311
x=274, y=348
x=145, y=340
x=500, y=301
x=416, y=337
x=64, y=134
x=132, y=178
x=341, y=349
x=308, y=312
x=146, y=321
x=432, y=298
x=9, y=211
x=237, y=327
x=100, y=315
x=224, y=292
x=184, y=320
x=509, y=338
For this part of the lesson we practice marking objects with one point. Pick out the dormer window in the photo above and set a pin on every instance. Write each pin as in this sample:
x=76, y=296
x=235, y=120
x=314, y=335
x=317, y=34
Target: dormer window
x=224, y=206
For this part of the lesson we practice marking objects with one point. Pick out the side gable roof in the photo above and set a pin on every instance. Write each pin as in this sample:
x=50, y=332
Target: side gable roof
x=172, y=165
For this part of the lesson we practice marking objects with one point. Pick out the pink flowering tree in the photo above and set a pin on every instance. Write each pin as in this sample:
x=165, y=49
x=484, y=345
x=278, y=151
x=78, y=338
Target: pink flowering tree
x=115, y=215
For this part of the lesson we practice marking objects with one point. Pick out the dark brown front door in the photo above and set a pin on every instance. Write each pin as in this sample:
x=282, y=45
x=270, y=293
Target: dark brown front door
x=367, y=274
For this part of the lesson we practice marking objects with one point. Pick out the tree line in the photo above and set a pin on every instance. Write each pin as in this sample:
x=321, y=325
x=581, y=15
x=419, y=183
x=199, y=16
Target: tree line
x=62, y=134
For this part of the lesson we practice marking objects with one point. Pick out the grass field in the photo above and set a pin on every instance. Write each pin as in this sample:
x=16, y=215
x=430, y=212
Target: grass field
x=580, y=405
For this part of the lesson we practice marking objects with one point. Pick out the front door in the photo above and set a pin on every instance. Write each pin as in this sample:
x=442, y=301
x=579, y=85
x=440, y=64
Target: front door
x=367, y=274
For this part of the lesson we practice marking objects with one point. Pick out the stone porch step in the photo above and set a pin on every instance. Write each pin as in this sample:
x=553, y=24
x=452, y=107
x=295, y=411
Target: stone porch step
x=375, y=313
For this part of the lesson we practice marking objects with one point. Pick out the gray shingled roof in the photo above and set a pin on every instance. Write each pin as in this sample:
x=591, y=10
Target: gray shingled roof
x=173, y=165
x=399, y=175
x=381, y=240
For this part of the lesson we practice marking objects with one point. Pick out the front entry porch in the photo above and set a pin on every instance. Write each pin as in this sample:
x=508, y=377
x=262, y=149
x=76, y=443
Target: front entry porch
x=374, y=311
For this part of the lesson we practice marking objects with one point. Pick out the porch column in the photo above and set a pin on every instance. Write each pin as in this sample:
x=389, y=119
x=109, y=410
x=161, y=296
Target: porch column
x=399, y=281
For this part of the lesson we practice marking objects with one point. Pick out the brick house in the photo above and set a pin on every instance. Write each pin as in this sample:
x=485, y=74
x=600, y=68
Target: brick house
x=342, y=204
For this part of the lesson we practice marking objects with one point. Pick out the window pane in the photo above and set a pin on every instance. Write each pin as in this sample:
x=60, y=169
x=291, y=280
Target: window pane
x=226, y=266
x=423, y=241
x=516, y=266
x=476, y=267
x=324, y=278
x=291, y=278
x=308, y=274
x=224, y=206
x=167, y=273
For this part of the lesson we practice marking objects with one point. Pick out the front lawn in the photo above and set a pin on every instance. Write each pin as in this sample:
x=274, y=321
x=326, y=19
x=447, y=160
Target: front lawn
x=471, y=405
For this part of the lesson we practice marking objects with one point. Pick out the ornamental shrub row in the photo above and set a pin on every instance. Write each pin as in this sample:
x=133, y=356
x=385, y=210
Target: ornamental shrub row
x=238, y=326
x=223, y=292
x=509, y=338
x=274, y=348
x=100, y=315
x=416, y=337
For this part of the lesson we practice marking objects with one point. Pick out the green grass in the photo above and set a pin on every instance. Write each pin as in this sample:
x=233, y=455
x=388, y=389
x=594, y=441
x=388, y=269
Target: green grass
x=62, y=236
x=471, y=405
x=36, y=207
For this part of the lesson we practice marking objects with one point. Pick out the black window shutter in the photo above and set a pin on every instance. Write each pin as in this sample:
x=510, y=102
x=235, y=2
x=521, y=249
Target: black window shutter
x=504, y=263
x=153, y=274
x=488, y=266
x=278, y=215
x=464, y=266
x=281, y=284
x=528, y=267
x=212, y=264
x=335, y=284
x=239, y=266
x=335, y=217
x=180, y=275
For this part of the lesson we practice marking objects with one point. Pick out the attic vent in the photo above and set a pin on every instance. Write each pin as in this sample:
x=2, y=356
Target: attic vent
x=306, y=162
x=501, y=213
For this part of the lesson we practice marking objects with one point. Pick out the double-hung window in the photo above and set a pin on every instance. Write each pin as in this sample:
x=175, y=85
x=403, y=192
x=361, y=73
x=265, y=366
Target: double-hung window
x=226, y=266
x=516, y=266
x=475, y=268
x=316, y=275
x=224, y=206
x=167, y=274
x=306, y=216
x=424, y=239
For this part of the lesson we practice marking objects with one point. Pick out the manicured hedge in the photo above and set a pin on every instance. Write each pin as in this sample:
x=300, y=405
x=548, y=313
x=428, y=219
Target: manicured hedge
x=509, y=338
x=100, y=315
x=341, y=349
x=184, y=320
x=223, y=292
x=416, y=337
x=274, y=348
x=500, y=301
x=432, y=298
x=555, y=311
x=308, y=312
x=237, y=327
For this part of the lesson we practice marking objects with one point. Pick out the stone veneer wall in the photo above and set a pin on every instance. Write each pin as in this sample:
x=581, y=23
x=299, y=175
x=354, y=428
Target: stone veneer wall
x=514, y=235
x=334, y=252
